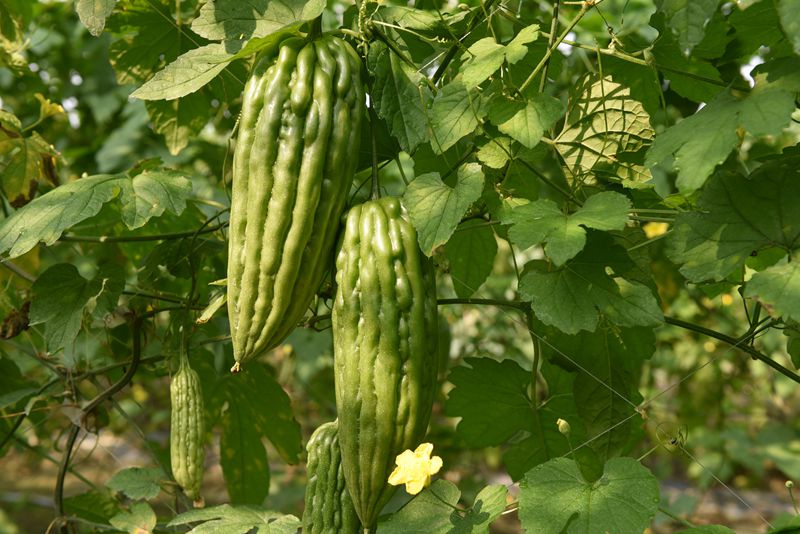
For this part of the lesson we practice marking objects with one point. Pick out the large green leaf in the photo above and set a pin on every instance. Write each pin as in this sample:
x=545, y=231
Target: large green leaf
x=554, y=498
x=95, y=505
x=574, y=297
x=61, y=296
x=145, y=195
x=688, y=19
x=234, y=20
x=242, y=454
x=138, y=482
x=435, y=208
x=605, y=127
x=543, y=221
x=237, y=519
x=778, y=288
x=470, y=252
x=179, y=120
x=434, y=511
x=491, y=398
x=526, y=121
x=789, y=11
x=188, y=73
x=702, y=141
x=399, y=96
x=737, y=216
x=140, y=518
x=455, y=113
x=486, y=56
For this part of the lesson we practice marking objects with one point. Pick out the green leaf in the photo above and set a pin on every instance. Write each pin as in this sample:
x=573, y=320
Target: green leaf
x=399, y=96
x=623, y=501
x=188, y=73
x=455, y=113
x=95, y=506
x=470, y=252
x=491, y=398
x=486, y=57
x=138, y=482
x=789, y=11
x=179, y=120
x=530, y=119
x=516, y=49
x=496, y=152
x=140, y=519
x=435, y=208
x=60, y=296
x=256, y=387
x=93, y=14
x=24, y=162
x=146, y=39
x=604, y=123
x=13, y=387
x=778, y=288
x=737, y=216
x=688, y=20
x=151, y=193
x=542, y=221
x=234, y=20
x=237, y=519
x=242, y=455
x=573, y=298
x=144, y=196
x=434, y=511
x=704, y=140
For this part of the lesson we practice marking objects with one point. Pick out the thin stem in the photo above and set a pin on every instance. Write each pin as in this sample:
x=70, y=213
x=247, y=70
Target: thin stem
x=19, y=271
x=537, y=419
x=22, y=416
x=735, y=343
x=675, y=517
x=135, y=238
x=376, y=186
x=584, y=8
x=553, y=29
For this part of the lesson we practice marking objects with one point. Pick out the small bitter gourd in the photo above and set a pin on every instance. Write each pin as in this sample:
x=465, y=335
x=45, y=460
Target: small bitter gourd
x=187, y=432
x=385, y=348
x=328, y=507
x=293, y=165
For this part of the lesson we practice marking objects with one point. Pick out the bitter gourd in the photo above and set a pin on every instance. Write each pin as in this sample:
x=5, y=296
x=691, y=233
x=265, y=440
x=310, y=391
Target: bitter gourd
x=187, y=454
x=385, y=348
x=329, y=509
x=293, y=164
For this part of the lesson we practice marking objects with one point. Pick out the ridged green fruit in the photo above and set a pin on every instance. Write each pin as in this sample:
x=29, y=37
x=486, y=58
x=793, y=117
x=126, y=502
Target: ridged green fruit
x=187, y=454
x=293, y=165
x=385, y=348
x=329, y=509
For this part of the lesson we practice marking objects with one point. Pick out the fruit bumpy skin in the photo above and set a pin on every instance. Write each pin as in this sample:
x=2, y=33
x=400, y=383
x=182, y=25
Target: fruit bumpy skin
x=293, y=165
x=385, y=348
x=329, y=508
x=187, y=454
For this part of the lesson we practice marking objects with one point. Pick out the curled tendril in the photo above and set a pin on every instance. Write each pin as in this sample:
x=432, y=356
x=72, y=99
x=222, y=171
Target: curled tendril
x=672, y=436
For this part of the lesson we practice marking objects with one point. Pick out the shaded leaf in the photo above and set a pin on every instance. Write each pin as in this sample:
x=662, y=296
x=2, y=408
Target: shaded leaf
x=139, y=520
x=543, y=221
x=24, y=163
x=455, y=113
x=145, y=195
x=789, y=11
x=188, y=73
x=234, y=20
x=179, y=120
x=95, y=506
x=398, y=96
x=737, y=216
x=603, y=124
x=242, y=455
x=138, y=482
x=552, y=493
x=687, y=19
x=778, y=288
x=529, y=120
x=470, y=251
x=237, y=520
x=435, y=208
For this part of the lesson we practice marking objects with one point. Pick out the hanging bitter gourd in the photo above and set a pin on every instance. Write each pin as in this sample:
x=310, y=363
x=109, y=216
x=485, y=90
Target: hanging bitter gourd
x=385, y=348
x=293, y=165
x=328, y=507
x=187, y=430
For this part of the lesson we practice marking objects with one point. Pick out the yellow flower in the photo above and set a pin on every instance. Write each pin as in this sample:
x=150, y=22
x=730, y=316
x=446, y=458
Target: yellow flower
x=414, y=469
x=655, y=229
